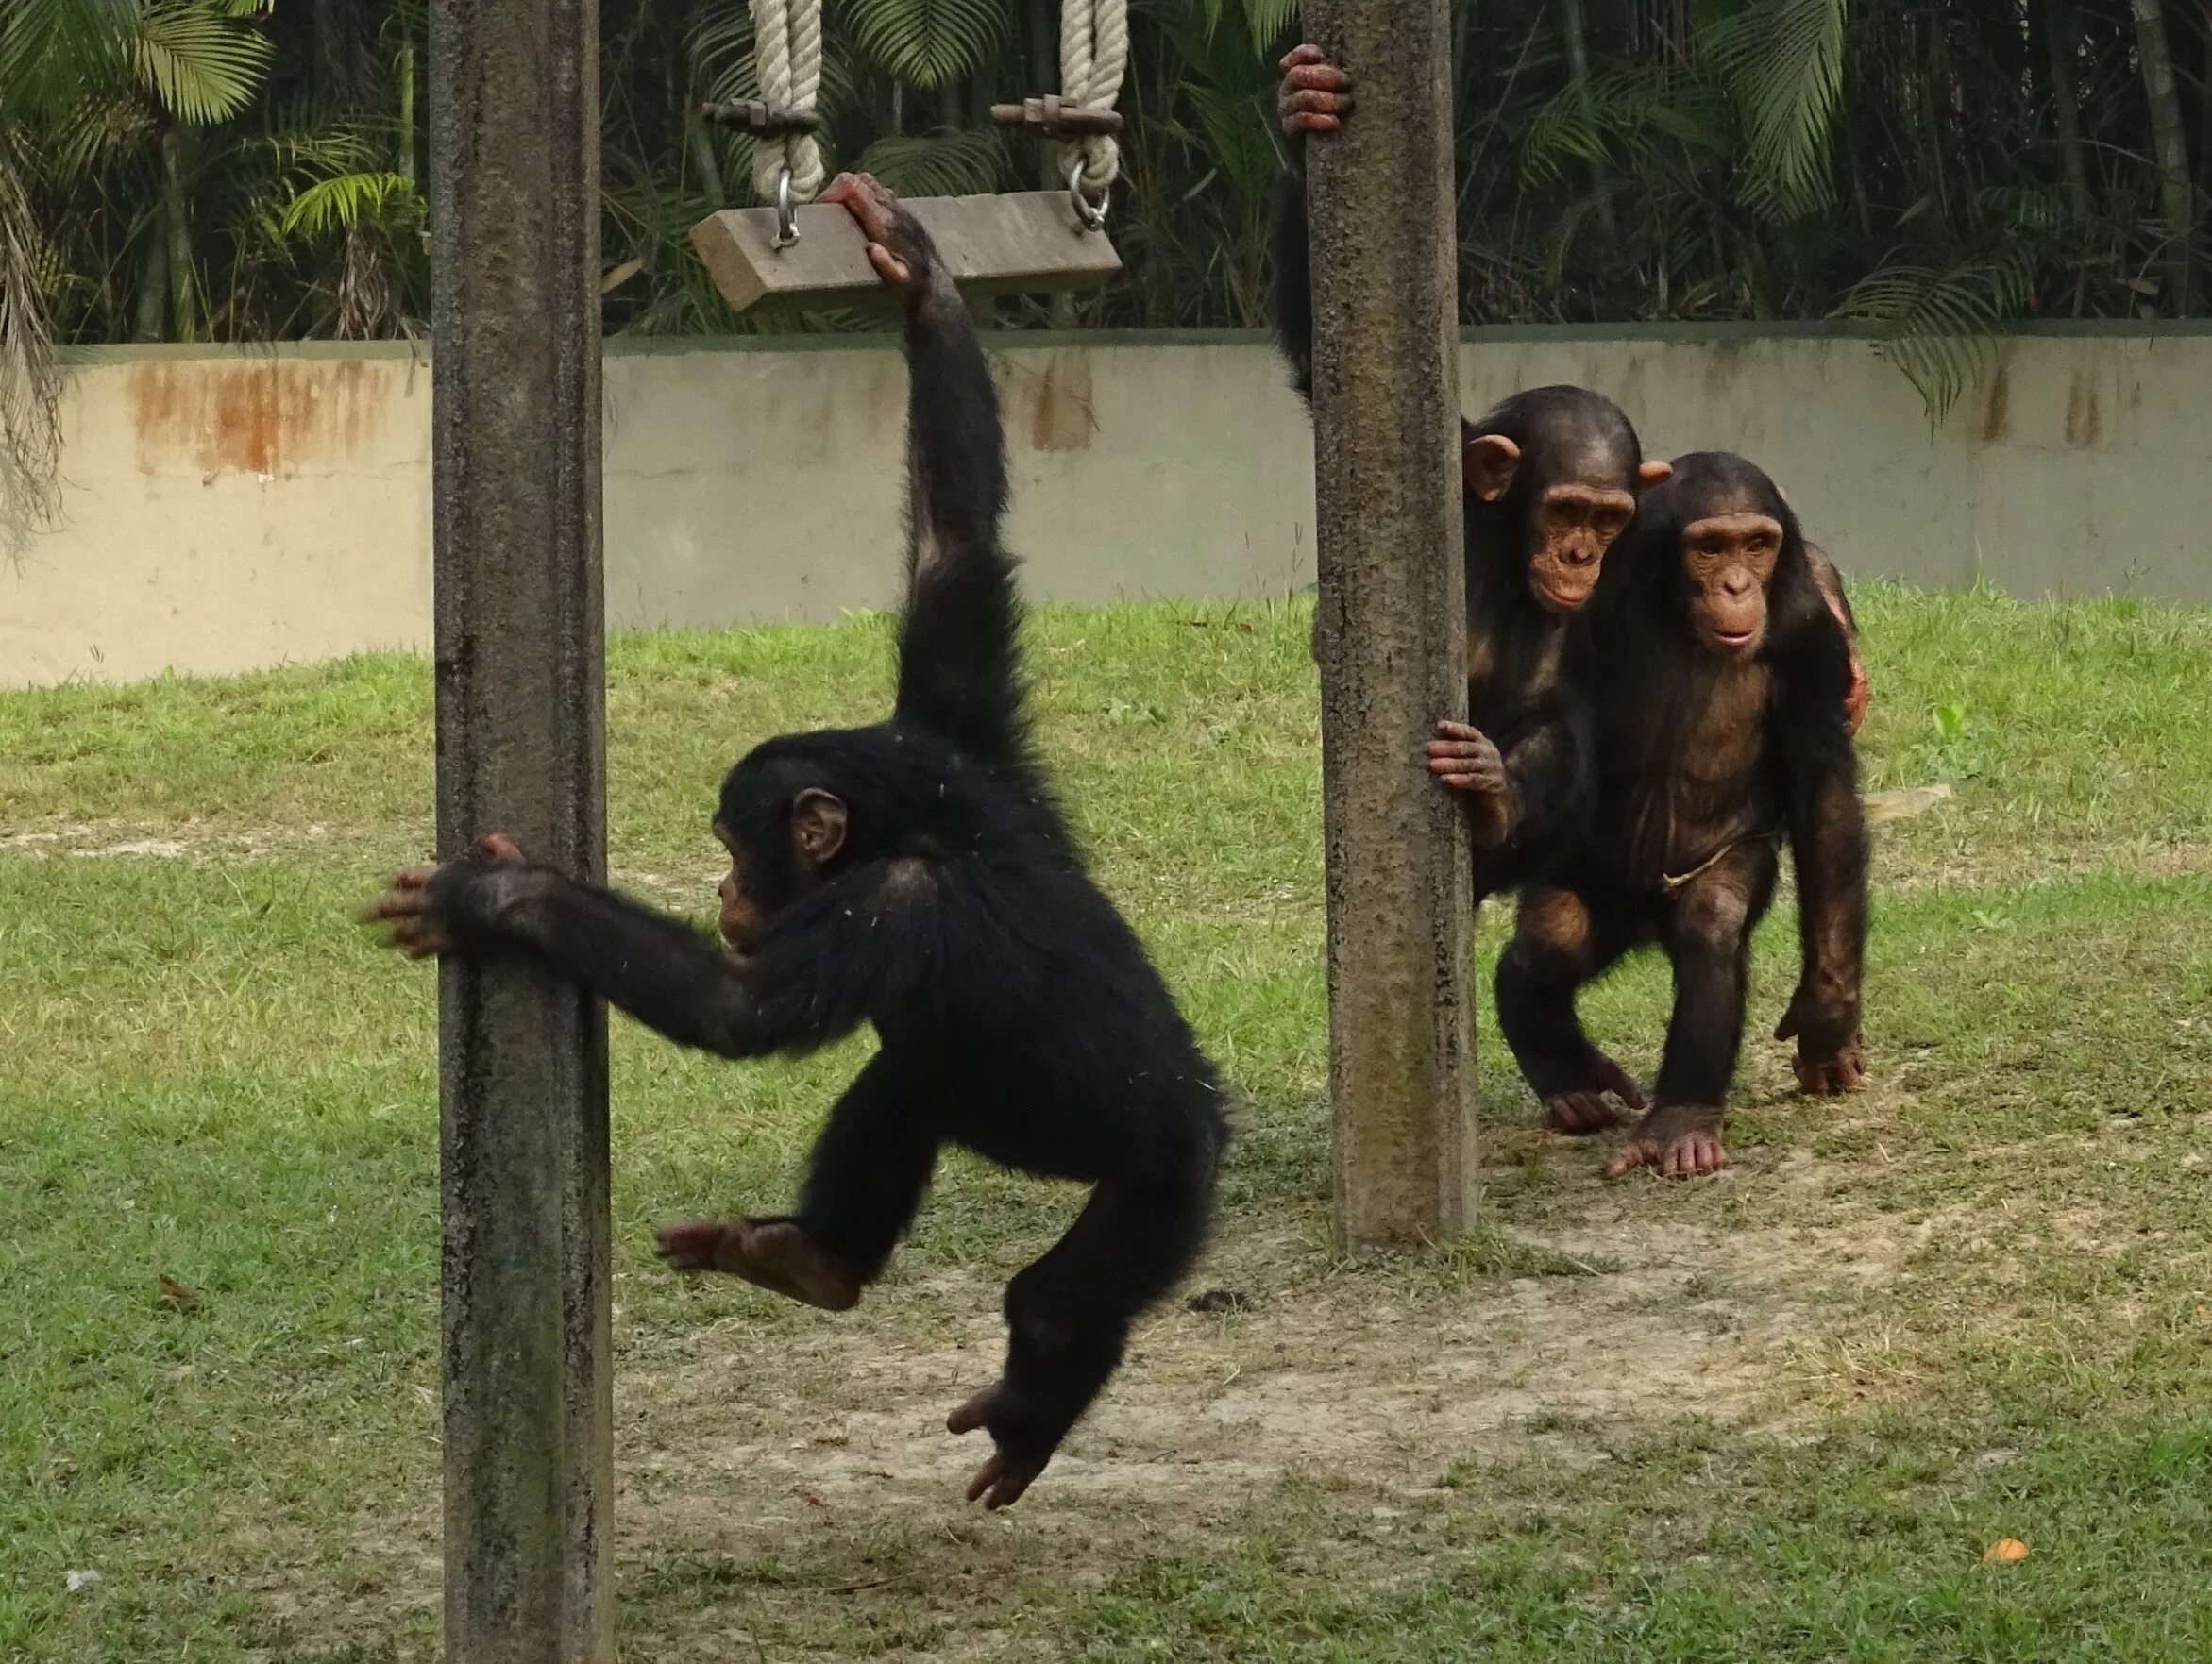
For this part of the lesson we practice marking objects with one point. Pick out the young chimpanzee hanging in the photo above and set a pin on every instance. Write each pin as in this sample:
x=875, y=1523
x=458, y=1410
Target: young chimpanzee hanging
x=1718, y=674
x=919, y=876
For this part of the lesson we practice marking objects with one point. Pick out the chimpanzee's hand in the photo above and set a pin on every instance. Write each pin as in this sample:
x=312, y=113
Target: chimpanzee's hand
x=1832, y=1055
x=1024, y=1449
x=895, y=246
x=1856, y=699
x=453, y=907
x=1316, y=95
x=1466, y=761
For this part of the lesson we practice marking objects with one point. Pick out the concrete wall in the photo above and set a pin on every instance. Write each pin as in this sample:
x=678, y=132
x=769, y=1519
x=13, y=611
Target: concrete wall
x=227, y=509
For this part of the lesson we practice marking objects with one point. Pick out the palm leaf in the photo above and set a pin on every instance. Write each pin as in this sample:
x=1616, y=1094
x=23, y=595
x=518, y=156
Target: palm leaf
x=1621, y=116
x=1268, y=19
x=1783, y=62
x=53, y=52
x=30, y=380
x=926, y=43
x=1241, y=138
x=2027, y=207
x=350, y=200
x=1939, y=326
x=942, y=165
x=198, y=58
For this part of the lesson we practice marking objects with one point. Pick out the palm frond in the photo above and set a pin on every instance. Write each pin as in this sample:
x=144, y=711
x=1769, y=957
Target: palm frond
x=1241, y=139
x=54, y=51
x=2026, y=208
x=1621, y=116
x=1938, y=326
x=348, y=201
x=1783, y=62
x=1268, y=19
x=940, y=164
x=926, y=43
x=30, y=382
x=199, y=58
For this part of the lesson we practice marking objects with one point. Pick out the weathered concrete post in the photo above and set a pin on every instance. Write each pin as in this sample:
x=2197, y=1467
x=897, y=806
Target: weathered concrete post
x=1393, y=631
x=515, y=215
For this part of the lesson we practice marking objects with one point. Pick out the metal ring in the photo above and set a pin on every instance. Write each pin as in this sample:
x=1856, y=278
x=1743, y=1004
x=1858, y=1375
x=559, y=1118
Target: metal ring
x=787, y=212
x=1093, y=216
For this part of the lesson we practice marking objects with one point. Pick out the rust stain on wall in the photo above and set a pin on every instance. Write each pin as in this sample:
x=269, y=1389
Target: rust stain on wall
x=1997, y=410
x=1062, y=420
x=275, y=417
x=2085, y=415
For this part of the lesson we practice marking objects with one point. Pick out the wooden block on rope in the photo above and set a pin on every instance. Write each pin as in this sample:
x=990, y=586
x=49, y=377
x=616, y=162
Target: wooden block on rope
x=1008, y=244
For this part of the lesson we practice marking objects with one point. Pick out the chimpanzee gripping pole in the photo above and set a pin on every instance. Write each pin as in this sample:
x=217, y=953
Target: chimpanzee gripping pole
x=1393, y=625
x=513, y=109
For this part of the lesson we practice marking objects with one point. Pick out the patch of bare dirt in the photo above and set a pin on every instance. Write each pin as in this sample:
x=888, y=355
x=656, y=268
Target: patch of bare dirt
x=791, y=1491
x=190, y=840
x=1387, y=1373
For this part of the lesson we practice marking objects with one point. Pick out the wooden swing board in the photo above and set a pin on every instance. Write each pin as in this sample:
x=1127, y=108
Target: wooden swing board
x=1007, y=244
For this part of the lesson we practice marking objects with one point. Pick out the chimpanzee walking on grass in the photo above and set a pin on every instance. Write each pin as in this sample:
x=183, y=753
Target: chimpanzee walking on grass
x=919, y=876
x=1718, y=676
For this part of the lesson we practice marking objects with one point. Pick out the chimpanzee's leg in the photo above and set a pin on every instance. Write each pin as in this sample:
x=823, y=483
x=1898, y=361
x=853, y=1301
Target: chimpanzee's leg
x=1707, y=935
x=1563, y=939
x=1069, y=1315
x=870, y=1167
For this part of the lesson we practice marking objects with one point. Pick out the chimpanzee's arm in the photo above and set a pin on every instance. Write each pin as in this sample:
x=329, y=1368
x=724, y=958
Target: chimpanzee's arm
x=958, y=671
x=1315, y=97
x=1549, y=765
x=1828, y=845
x=822, y=967
x=1830, y=582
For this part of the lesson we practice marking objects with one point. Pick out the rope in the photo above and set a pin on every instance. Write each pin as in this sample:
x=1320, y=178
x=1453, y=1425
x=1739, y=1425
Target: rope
x=1094, y=50
x=786, y=46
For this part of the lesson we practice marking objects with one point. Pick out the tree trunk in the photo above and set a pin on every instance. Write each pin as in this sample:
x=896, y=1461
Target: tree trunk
x=404, y=68
x=1392, y=629
x=153, y=288
x=2066, y=102
x=1577, y=37
x=177, y=228
x=2169, y=145
x=341, y=53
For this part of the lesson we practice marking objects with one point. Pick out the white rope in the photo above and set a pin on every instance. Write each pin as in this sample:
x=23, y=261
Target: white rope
x=787, y=48
x=1094, y=50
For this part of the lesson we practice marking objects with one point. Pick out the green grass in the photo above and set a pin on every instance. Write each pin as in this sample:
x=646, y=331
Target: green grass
x=209, y=1075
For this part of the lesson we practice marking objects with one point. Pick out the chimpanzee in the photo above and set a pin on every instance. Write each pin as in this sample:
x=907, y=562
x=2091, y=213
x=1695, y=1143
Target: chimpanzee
x=919, y=876
x=1718, y=676
x=1579, y=467
x=1551, y=477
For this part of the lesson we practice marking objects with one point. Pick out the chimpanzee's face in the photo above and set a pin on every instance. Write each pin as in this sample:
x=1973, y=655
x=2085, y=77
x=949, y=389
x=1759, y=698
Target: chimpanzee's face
x=1728, y=554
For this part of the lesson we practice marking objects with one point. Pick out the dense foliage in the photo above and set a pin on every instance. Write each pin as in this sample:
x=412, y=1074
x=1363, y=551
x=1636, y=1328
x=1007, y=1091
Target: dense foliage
x=249, y=169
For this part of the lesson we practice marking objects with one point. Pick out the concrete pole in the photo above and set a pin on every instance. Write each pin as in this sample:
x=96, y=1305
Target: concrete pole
x=515, y=212
x=1393, y=625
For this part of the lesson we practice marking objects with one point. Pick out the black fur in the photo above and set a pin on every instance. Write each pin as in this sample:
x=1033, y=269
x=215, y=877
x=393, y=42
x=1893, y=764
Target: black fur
x=1017, y=1013
x=1517, y=694
x=1519, y=691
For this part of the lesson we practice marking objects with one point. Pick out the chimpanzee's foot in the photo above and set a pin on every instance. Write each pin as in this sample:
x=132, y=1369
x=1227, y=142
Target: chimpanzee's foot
x=1012, y=1468
x=775, y=1254
x=1583, y=1107
x=1679, y=1139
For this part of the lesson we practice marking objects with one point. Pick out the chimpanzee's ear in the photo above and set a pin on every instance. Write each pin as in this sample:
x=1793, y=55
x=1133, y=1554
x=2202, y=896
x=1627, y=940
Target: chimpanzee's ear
x=818, y=824
x=1487, y=464
x=1653, y=472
